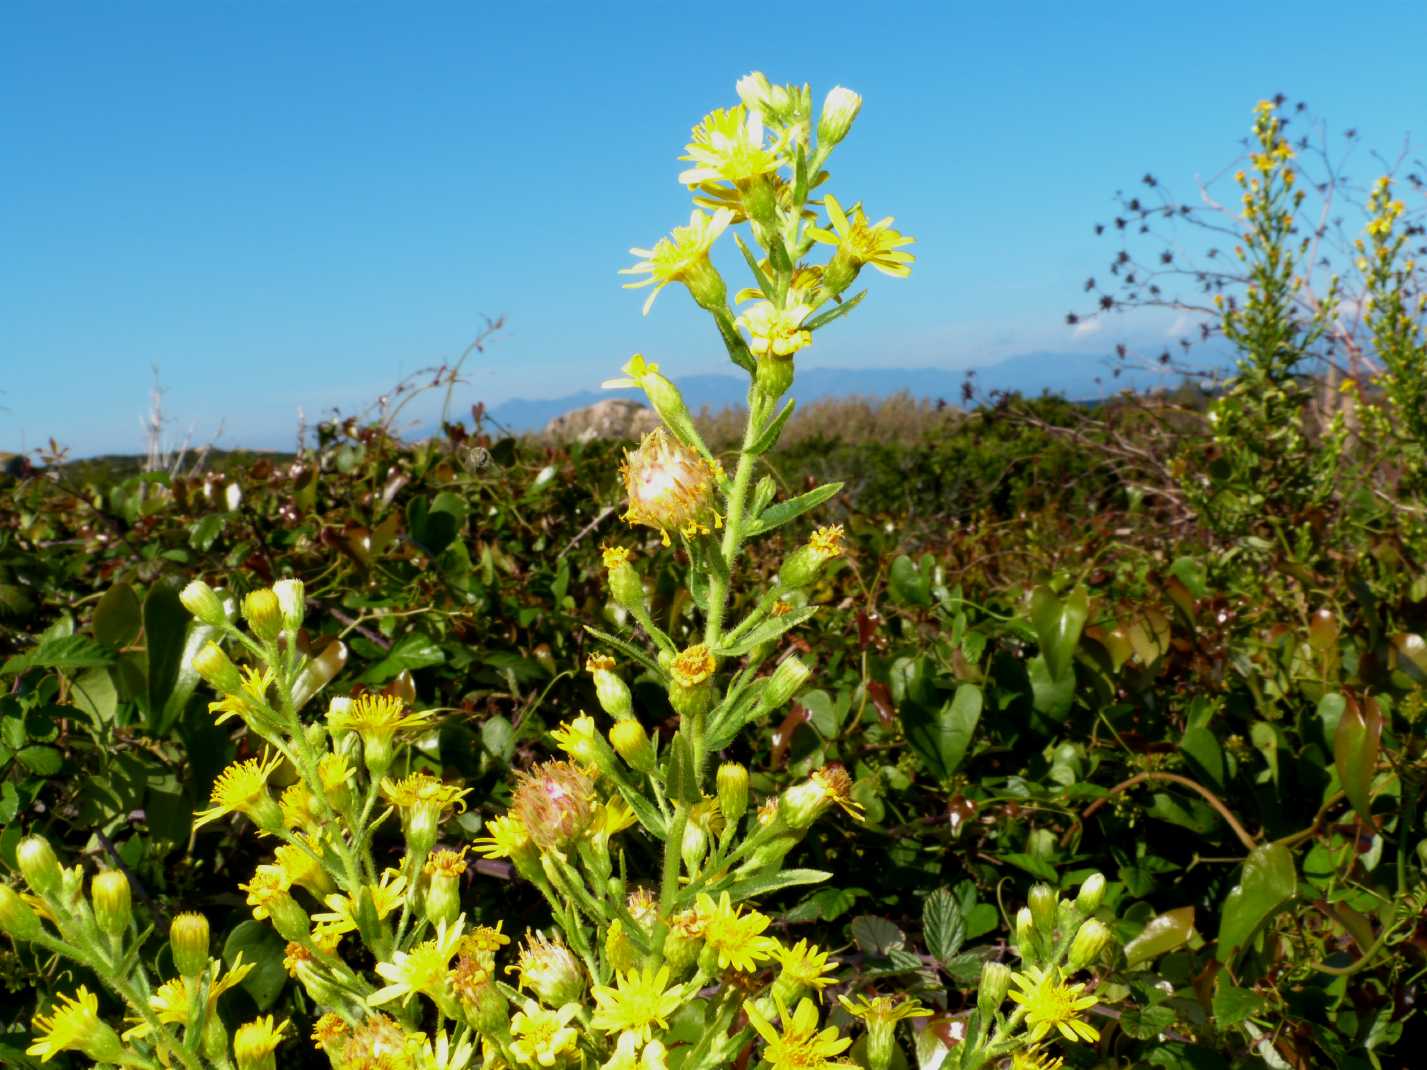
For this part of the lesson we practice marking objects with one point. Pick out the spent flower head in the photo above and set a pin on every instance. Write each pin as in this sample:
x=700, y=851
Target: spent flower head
x=670, y=487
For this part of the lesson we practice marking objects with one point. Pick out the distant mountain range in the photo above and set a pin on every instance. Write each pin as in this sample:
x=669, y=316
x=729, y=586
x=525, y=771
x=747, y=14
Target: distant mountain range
x=1076, y=376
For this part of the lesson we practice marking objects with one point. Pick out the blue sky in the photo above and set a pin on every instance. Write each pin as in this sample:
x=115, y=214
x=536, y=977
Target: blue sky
x=284, y=205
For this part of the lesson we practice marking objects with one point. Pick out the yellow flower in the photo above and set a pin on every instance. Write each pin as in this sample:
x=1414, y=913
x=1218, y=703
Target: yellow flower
x=73, y=1024
x=728, y=146
x=329, y=1031
x=379, y=1043
x=693, y=666
x=805, y=965
x=736, y=939
x=862, y=243
x=243, y=788
x=541, y=1037
x=639, y=1001
x=775, y=331
x=302, y=868
x=579, y=738
x=827, y=541
x=507, y=838
x=484, y=939
x=612, y=557
x=446, y=862
x=798, y=1044
x=249, y=701
x=386, y=897
x=377, y=719
x=255, y=1041
x=423, y=969
x=883, y=1010
x=1050, y=1003
x=423, y=800
x=683, y=257
x=1034, y=1059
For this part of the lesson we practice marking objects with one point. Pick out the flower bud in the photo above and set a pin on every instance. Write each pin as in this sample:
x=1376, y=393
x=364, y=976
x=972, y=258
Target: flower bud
x=840, y=108
x=188, y=939
x=1043, y=901
x=1026, y=934
x=215, y=667
x=624, y=583
x=1092, y=893
x=203, y=602
x=803, y=565
x=263, y=614
x=691, y=690
x=39, y=866
x=550, y=970
x=732, y=781
x=16, y=917
x=694, y=846
x=991, y=992
x=772, y=376
x=803, y=803
x=443, y=894
x=1090, y=940
x=682, y=946
x=632, y=744
x=292, y=603
x=487, y=1011
x=109, y=892
x=787, y=678
x=610, y=689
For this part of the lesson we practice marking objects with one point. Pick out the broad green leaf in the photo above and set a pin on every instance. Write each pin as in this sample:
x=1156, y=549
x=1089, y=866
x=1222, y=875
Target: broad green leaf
x=876, y=936
x=65, y=653
x=943, y=925
x=1165, y=932
x=93, y=691
x=1233, y=1004
x=1201, y=747
x=941, y=737
x=413, y=651
x=909, y=582
x=204, y=533
x=117, y=617
x=430, y=528
x=778, y=515
x=262, y=947
x=41, y=760
x=1355, y=750
x=1058, y=624
x=1268, y=882
x=165, y=629
x=1051, y=696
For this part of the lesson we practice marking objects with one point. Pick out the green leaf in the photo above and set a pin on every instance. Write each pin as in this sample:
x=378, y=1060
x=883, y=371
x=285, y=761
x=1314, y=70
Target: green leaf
x=1051, y=696
x=1355, y=750
x=680, y=780
x=822, y=319
x=1165, y=932
x=876, y=936
x=825, y=904
x=943, y=925
x=263, y=948
x=430, y=527
x=413, y=651
x=767, y=631
x=1058, y=625
x=41, y=760
x=93, y=691
x=117, y=617
x=1201, y=747
x=942, y=738
x=1269, y=880
x=909, y=583
x=778, y=515
x=768, y=437
x=771, y=882
x=1233, y=1004
x=64, y=653
x=165, y=629
x=758, y=276
x=204, y=533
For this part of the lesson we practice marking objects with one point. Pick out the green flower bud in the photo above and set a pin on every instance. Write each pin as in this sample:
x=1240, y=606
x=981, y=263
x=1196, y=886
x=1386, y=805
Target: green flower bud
x=840, y=108
x=694, y=846
x=263, y=614
x=691, y=690
x=772, y=376
x=486, y=1010
x=215, y=667
x=610, y=688
x=625, y=584
x=1043, y=902
x=732, y=781
x=791, y=674
x=991, y=992
x=631, y=743
x=188, y=939
x=681, y=950
x=16, y=917
x=39, y=866
x=203, y=602
x=619, y=949
x=1092, y=893
x=1026, y=934
x=1090, y=941
x=292, y=603
x=109, y=892
x=550, y=970
x=443, y=894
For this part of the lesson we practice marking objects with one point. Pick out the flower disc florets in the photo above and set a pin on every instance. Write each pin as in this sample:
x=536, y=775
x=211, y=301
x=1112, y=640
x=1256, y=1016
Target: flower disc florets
x=670, y=487
x=555, y=803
